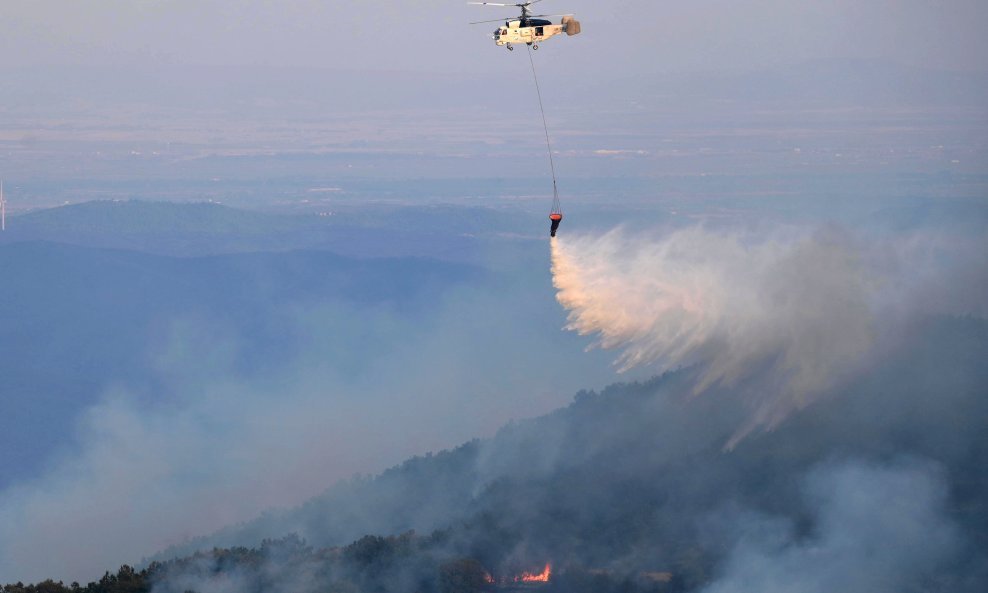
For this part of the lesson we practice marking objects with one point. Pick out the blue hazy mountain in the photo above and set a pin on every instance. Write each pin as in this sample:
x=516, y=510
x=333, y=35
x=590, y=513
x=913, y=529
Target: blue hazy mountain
x=198, y=228
x=75, y=320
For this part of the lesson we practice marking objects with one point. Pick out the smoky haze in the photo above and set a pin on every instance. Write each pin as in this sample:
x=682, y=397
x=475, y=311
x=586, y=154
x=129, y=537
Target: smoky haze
x=291, y=372
x=861, y=510
x=165, y=397
x=877, y=488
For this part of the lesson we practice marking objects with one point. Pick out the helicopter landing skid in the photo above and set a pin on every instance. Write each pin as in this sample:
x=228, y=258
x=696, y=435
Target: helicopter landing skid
x=510, y=47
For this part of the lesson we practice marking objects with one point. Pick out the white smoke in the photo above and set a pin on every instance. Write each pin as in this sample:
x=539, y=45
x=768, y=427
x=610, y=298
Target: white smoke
x=784, y=318
x=876, y=528
x=224, y=446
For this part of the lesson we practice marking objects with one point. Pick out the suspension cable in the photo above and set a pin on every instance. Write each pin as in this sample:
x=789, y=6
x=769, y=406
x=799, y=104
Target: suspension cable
x=552, y=166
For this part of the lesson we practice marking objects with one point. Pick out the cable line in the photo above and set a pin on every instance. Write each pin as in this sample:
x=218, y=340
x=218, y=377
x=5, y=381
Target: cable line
x=556, y=213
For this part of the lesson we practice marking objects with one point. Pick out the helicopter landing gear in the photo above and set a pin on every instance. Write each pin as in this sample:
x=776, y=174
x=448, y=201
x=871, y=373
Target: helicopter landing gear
x=535, y=46
x=510, y=47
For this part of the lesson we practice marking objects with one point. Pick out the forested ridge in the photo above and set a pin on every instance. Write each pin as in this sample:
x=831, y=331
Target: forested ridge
x=631, y=489
x=373, y=563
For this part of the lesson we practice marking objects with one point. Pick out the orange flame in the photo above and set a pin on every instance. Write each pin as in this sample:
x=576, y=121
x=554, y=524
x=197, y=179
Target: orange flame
x=542, y=577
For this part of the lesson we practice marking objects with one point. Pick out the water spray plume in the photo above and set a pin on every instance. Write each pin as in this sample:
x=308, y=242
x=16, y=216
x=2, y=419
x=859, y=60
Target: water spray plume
x=786, y=318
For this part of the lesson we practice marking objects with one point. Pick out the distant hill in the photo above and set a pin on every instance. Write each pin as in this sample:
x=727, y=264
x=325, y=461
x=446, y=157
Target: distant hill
x=630, y=490
x=74, y=320
x=202, y=228
x=139, y=216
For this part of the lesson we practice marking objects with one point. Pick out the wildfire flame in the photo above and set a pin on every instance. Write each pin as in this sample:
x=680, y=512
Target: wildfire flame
x=542, y=577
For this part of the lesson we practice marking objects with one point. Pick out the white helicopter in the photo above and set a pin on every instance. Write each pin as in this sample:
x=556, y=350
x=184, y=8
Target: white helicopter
x=529, y=28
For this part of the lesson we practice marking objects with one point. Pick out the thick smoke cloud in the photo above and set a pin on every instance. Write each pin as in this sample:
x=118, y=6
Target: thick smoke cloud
x=772, y=324
x=365, y=389
x=278, y=571
x=877, y=528
x=783, y=319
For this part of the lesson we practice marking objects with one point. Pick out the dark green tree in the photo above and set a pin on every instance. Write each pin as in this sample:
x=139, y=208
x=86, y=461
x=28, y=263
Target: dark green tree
x=464, y=575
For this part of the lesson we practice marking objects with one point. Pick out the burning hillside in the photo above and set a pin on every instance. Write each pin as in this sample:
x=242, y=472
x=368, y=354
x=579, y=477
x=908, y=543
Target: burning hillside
x=522, y=578
x=629, y=490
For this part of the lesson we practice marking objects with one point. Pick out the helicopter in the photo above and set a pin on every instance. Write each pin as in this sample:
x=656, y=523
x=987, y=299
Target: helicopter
x=529, y=28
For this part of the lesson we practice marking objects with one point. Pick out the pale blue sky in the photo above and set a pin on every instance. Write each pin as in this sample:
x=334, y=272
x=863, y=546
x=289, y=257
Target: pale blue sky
x=433, y=35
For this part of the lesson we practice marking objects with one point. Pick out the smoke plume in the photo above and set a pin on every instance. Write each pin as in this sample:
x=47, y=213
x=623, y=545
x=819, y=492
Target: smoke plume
x=783, y=320
x=360, y=388
x=878, y=528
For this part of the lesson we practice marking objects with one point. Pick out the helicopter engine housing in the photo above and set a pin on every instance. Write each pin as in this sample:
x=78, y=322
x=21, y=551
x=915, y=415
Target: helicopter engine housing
x=570, y=25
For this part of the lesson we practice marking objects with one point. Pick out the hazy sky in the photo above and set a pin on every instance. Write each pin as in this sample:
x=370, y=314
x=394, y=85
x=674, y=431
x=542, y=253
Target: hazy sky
x=620, y=38
x=434, y=35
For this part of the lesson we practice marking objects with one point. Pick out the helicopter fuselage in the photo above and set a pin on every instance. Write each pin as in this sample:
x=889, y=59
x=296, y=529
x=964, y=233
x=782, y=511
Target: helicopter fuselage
x=530, y=31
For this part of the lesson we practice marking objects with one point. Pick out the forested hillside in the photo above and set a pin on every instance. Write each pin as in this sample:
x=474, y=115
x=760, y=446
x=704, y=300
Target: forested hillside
x=630, y=489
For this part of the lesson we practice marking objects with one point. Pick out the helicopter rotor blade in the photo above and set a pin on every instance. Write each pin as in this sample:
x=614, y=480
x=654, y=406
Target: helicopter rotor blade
x=524, y=11
x=494, y=20
x=519, y=4
x=514, y=18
